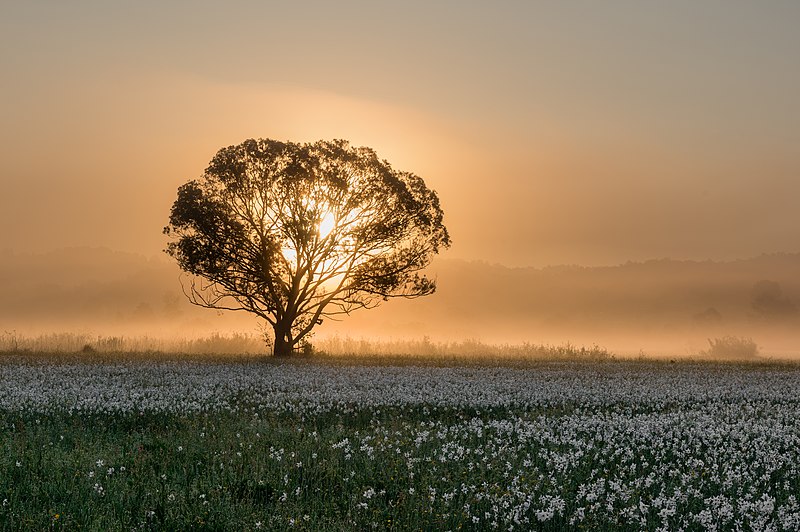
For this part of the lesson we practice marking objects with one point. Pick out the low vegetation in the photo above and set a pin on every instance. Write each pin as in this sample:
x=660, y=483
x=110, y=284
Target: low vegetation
x=732, y=347
x=239, y=346
x=244, y=445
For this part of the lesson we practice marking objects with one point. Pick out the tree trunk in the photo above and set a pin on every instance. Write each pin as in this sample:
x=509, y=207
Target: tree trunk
x=283, y=344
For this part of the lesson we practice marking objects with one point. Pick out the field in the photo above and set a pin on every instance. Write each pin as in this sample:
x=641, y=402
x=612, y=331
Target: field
x=321, y=444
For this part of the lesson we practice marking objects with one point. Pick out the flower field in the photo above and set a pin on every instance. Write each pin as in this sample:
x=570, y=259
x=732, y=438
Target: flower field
x=250, y=445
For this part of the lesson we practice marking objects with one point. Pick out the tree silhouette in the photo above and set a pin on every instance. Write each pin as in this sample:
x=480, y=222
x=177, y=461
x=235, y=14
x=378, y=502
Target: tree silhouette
x=295, y=233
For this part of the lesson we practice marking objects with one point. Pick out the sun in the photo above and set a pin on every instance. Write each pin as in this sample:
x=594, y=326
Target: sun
x=325, y=221
x=326, y=225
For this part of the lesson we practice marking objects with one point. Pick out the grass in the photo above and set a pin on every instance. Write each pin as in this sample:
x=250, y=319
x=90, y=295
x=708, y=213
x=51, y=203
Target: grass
x=237, y=347
x=407, y=467
x=213, y=472
x=227, y=471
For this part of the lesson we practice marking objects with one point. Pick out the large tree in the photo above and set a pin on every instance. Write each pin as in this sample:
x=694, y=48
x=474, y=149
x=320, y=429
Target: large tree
x=297, y=232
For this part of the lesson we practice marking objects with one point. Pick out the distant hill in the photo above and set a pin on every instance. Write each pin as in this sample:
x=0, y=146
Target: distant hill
x=97, y=287
x=651, y=298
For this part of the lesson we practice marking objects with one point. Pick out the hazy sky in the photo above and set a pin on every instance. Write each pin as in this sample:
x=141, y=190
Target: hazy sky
x=554, y=132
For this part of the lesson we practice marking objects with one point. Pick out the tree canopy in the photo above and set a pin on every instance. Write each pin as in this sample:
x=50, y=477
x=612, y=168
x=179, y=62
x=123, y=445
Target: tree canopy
x=295, y=233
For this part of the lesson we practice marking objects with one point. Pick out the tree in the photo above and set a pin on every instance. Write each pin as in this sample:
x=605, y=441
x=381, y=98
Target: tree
x=295, y=233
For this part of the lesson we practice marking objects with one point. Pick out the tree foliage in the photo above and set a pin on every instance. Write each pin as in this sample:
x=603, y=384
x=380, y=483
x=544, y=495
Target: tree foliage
x=297, y=232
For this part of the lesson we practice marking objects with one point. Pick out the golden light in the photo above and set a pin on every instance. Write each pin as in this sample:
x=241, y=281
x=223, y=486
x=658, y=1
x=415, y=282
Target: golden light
x=290, y=254
x=326, y=225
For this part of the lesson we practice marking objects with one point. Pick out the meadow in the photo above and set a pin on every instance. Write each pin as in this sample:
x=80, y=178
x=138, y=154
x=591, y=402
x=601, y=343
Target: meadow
x=571, y=441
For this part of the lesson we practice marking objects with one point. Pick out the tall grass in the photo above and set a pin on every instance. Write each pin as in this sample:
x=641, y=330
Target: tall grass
x=333, y=349
x=469, y=350
x=69, y=342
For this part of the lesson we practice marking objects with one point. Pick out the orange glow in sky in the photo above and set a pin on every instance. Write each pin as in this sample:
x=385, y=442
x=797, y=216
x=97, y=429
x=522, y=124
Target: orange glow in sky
x=553, y=132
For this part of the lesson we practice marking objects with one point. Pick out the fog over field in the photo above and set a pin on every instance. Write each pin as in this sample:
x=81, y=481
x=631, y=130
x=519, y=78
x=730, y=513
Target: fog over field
x=552, y=133
x=661, y=307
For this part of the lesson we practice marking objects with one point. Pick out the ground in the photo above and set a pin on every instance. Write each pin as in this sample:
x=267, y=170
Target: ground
x=217, y=444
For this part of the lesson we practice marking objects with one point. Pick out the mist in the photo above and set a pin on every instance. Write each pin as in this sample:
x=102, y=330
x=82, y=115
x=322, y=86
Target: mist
x=654, y=150
x=655, y=308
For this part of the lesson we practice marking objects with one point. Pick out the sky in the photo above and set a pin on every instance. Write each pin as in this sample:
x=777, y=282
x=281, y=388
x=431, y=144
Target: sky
x=589, y=133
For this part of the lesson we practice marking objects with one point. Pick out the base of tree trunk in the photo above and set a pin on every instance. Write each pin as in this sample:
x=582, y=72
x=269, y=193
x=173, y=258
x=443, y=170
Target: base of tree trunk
x=282, y=348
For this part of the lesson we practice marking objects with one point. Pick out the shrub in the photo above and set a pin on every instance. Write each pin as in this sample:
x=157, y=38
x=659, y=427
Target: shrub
x=732, y=347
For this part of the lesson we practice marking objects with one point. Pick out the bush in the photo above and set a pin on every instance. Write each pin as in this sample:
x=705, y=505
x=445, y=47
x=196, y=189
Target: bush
x=732, y=347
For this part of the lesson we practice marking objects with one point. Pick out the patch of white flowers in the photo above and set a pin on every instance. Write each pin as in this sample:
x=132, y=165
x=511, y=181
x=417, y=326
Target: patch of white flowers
x=185, y=387
x=625, y=444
